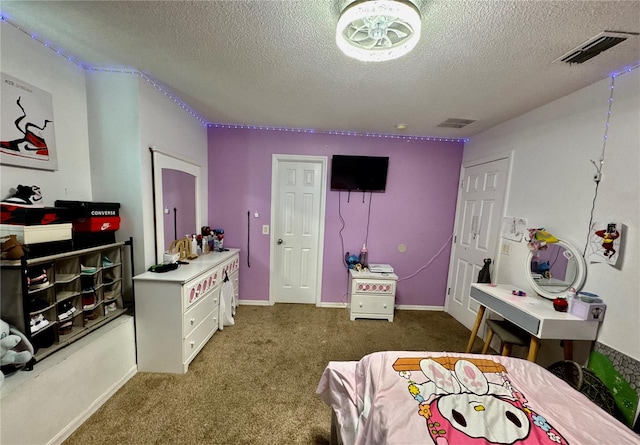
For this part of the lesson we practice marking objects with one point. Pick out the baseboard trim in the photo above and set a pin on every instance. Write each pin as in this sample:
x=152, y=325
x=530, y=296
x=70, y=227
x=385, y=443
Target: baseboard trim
x=413, y=307
x=343, y=305
x=334, y=305
x=253, y=303
x=75, y=424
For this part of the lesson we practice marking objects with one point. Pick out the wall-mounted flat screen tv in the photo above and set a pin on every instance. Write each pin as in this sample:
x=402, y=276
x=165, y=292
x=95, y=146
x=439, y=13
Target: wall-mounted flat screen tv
x=363, y=173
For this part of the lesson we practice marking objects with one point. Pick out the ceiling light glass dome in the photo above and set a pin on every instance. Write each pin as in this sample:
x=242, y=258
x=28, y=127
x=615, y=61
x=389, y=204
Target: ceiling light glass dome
x=378, y=30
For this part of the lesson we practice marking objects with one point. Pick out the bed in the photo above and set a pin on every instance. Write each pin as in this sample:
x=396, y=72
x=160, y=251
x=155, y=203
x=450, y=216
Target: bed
x=450, y=398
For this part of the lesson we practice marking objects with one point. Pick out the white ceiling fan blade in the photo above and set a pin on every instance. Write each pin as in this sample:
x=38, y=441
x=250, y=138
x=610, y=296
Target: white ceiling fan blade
x=398, y=33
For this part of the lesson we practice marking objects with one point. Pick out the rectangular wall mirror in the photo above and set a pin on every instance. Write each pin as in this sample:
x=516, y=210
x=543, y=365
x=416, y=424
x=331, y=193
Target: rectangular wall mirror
x=176, y=185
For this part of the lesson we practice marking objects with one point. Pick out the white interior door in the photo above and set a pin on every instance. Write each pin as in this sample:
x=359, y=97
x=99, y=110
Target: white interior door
x=478, y=217
x=298, y=191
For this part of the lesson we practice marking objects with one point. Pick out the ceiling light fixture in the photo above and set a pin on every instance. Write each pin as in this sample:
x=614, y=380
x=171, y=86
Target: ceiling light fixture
x=378, y=30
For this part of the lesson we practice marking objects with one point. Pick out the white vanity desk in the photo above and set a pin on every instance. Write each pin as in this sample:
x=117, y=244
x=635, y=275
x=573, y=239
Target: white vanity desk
x=177, y=312
x=532, y=313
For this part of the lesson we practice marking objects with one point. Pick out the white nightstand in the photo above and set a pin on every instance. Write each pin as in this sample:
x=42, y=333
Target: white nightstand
x=372, y=295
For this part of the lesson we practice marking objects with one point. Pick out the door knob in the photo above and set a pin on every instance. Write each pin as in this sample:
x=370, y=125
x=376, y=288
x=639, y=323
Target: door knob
x=280, y=241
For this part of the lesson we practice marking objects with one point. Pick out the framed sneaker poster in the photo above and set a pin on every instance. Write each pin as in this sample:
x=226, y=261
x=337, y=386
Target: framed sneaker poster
x=27, y=137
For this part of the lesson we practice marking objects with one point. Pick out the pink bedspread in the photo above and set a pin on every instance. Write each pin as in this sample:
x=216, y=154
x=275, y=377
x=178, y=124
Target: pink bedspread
x=449, y=398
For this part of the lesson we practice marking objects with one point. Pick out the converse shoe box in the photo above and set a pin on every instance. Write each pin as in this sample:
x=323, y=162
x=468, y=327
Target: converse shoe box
x=88, y=209
x=94, y=223
x=93, y=217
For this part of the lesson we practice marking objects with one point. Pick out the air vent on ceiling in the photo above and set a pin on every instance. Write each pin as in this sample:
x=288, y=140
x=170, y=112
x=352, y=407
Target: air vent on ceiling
x=456, y=123
x=595, y=46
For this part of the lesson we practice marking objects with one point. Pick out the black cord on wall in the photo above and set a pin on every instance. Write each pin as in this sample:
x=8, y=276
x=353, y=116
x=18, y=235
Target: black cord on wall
x=248, y=238
x=366, y=238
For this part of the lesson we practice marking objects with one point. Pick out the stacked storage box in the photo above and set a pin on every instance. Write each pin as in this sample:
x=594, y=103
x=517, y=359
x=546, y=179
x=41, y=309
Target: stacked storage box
x=43, y=230
x=94, y=223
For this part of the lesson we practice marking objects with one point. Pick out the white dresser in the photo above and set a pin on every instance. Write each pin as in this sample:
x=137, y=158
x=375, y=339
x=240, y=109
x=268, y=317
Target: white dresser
x=372, y=295
x=177, y=312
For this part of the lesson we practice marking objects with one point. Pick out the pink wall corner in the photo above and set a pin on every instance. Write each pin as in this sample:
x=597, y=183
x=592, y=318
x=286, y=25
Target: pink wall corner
x=417, y=209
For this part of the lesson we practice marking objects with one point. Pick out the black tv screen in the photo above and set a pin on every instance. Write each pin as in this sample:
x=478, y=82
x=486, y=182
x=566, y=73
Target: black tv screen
x=364, y=173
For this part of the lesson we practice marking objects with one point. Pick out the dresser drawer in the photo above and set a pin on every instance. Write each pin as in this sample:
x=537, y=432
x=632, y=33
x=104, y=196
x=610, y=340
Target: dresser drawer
x=373, y=287
x=198, y=287
x=230, y=266
x=196, y=339
x=367, y=304
x=199, y=311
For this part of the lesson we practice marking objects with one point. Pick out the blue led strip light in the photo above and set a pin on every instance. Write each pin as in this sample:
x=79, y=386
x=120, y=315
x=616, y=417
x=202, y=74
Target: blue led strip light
x=163, y=90
x=606, y=125
x=337, y=132
x=184, y=106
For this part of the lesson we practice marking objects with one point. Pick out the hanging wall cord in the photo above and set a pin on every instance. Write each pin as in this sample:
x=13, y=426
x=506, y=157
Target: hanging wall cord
x=430, y=261
x=248, y=237
x=366, y=238
x=555, y=259
x=593, y=207
x=598, y=175
x=344, y=260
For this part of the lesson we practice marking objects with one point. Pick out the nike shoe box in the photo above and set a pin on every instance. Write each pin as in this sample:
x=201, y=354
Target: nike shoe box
x=34, y=216
x=94, y=223
x=97, y=224
x=93, y=217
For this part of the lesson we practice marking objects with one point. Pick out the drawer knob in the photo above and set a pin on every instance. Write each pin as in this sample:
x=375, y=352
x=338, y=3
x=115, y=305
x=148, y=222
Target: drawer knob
x=193, y=343
x=385, y=306
x=193, y=320
x=360, y=304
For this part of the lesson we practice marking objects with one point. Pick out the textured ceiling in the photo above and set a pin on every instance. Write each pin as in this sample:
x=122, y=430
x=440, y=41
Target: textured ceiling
x=275, y=63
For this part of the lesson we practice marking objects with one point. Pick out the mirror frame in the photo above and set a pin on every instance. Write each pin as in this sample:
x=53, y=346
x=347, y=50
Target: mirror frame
x=164, y=159
x=576, y=283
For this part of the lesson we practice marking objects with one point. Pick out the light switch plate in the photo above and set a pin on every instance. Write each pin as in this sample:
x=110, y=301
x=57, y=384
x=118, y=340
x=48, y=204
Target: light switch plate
x=265, y=230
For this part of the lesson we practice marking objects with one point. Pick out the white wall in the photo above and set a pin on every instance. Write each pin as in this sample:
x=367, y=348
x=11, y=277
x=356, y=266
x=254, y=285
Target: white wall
x=37, y=65
x=46, y=405
x=552, y=187
x=104, y=124
x=127, y=116
x=164, y=124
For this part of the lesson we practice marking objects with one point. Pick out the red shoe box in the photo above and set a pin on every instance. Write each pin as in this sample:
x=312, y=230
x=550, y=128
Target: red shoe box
x=34, y=216
x=94, y=223
x=87, y=209
x=97, y=224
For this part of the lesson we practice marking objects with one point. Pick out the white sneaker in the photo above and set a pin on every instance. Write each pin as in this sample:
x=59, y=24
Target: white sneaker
x=26, y=196
x=38, y=323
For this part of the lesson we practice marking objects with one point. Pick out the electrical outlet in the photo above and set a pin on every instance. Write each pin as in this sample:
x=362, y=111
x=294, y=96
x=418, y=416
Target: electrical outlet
x=506, y=249
x=265, y=230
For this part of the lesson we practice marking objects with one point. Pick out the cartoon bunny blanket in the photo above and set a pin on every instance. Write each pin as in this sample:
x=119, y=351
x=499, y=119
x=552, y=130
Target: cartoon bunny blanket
x=449, y=398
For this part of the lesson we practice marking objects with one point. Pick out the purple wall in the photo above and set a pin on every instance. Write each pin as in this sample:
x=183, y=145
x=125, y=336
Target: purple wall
x=417, y=209
x=553, y=254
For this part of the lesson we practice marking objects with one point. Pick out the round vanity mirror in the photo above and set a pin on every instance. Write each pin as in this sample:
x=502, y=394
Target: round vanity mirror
x=554, y=270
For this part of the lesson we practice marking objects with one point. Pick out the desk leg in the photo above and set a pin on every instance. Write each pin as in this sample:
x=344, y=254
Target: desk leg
x=568, y=349
x=476, y=326
x=534, y=345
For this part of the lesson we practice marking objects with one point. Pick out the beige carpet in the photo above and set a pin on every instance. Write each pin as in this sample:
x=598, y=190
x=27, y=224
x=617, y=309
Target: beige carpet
x=255, y=382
